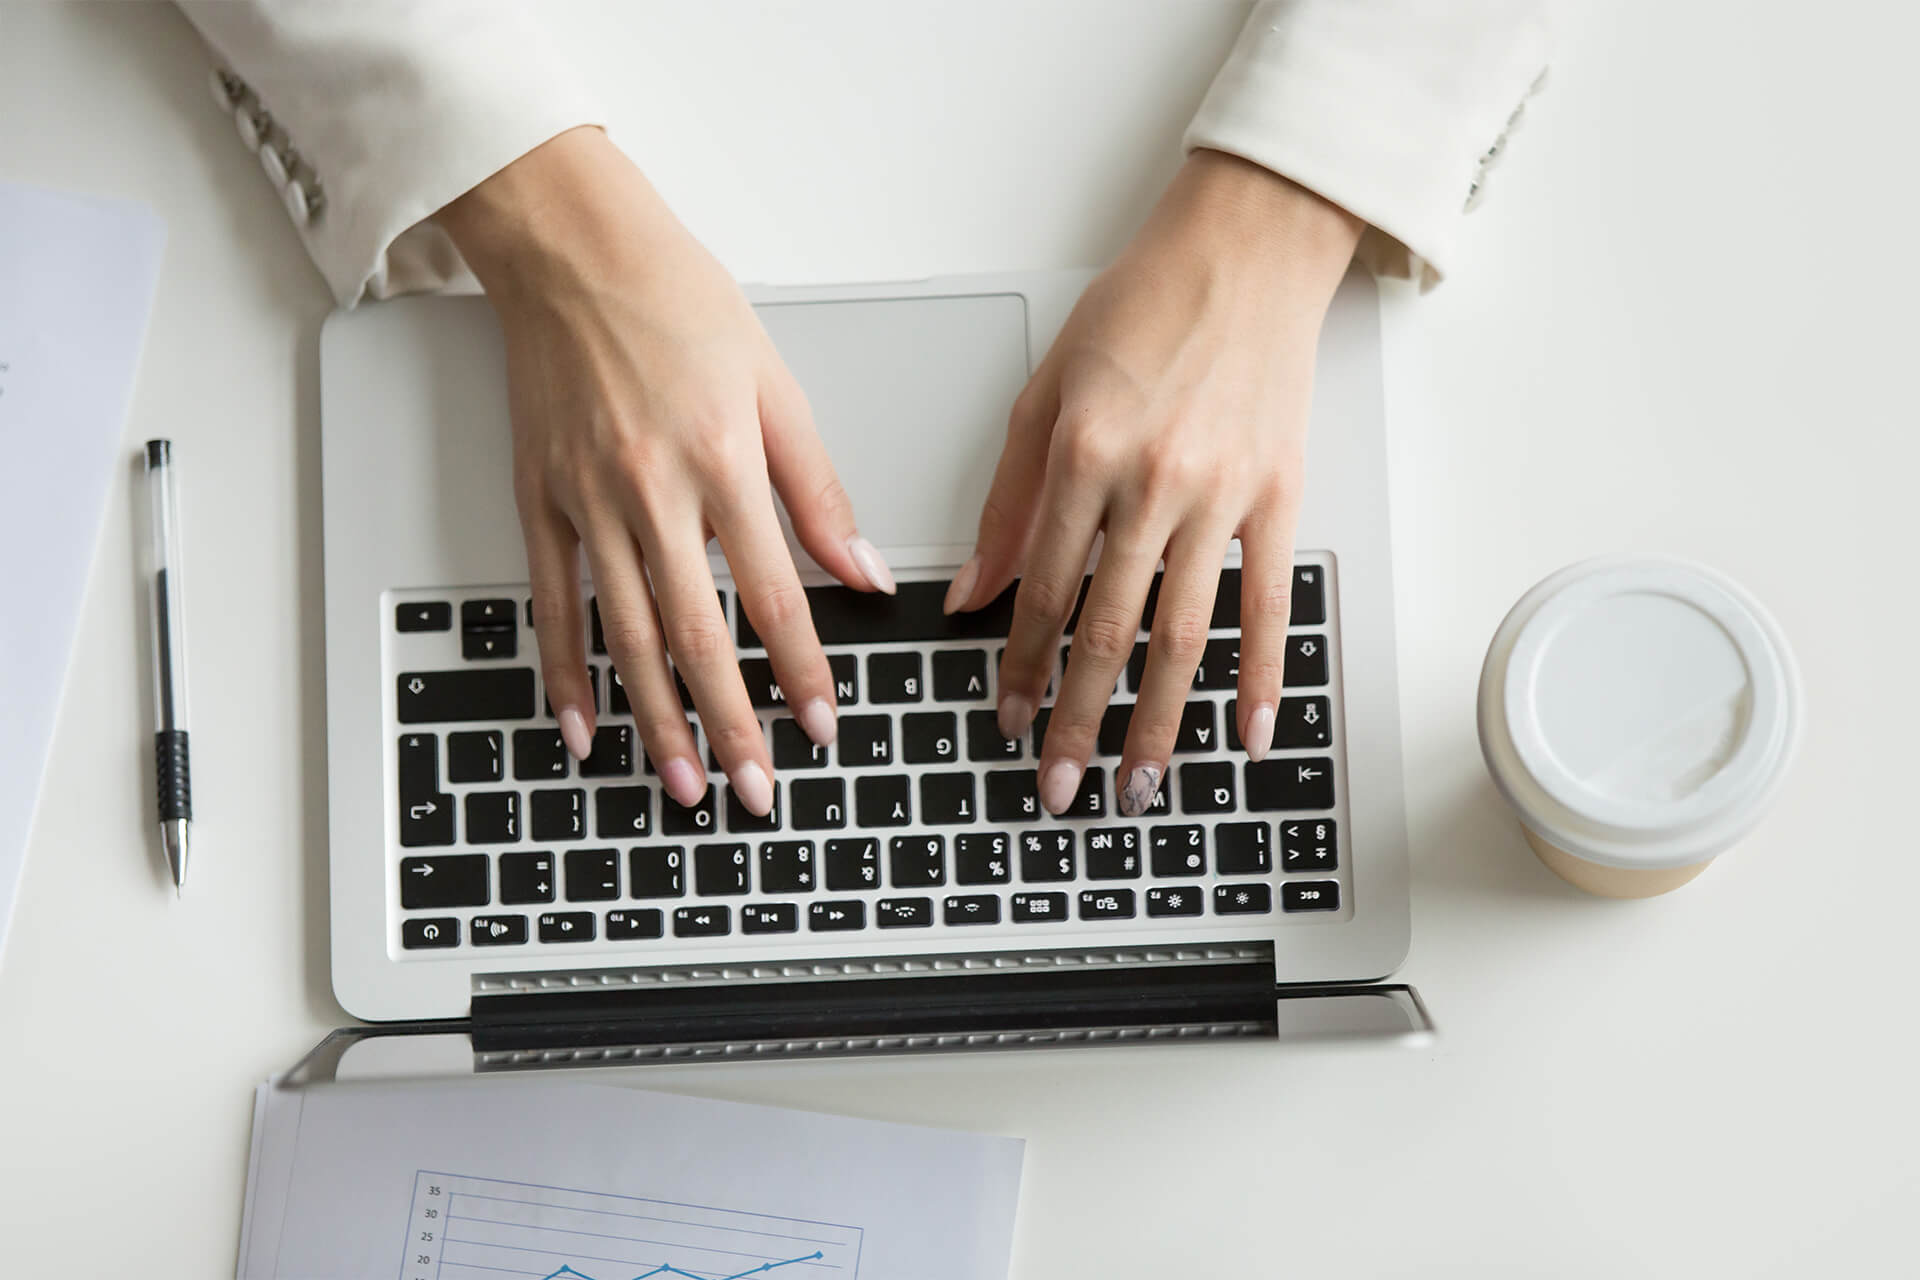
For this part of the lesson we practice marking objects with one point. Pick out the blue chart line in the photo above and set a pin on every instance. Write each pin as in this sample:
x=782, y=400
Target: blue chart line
x=666, y=1270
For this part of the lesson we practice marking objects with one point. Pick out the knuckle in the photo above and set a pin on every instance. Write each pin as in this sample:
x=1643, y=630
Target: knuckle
x=1045, y=599
x=1172, y=469
x=1086, y=450
x=779, y=607
x=700, y=640
x=1105, y=635
x=729, y=456
x=734, y=740
x=627, y=637
x=1182, y=634
x=1273, y=602
x=1258, y=672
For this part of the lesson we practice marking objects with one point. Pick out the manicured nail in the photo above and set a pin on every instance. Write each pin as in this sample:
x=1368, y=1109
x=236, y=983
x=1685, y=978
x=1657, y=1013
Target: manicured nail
x=1142, y=785
x=818, y=720
x=963, y=582
x=750, y=783
x=1259, y=734
x=1016, y=713
x=684, y=781
x=1058, y=784
x=870, y=563
x=574, y=732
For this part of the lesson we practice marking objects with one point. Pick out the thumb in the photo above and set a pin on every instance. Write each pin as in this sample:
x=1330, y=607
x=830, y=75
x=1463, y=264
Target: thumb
x=816, y=502
x=1007, y=518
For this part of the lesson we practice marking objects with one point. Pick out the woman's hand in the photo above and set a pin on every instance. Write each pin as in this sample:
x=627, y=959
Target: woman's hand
x=650, y=412
x=1170, y=414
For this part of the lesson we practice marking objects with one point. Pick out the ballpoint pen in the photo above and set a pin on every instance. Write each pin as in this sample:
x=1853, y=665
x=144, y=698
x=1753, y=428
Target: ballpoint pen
x=173, y=776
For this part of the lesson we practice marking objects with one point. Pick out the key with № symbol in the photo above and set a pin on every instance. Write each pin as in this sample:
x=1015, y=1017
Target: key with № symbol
x=1113, y=853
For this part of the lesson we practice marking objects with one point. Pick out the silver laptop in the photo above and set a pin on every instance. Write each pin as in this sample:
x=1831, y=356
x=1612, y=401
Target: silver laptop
x=909, y=892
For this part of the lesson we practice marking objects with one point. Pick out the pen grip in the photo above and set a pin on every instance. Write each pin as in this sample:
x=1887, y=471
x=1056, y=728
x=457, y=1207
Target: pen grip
x=173, y=774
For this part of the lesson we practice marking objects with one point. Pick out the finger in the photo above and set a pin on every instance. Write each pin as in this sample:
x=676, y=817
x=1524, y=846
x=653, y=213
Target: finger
x=776, y=604
x=1102, y=642
x=1266, y=603
x=816, y=502
x=696, y=632
x=1180, y=620
x=632, y=632
x=1007, y=516
x=553, y=569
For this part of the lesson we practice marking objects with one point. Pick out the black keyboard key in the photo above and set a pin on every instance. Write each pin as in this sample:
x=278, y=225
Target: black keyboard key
x=527, y=877
x=1137, y=668
x=1199, y=730
x=423, y=615
x=472, y=693
x=1175, y=900
x=678, y=820
x=1046, y=855
x=947, y=797
x=842, y=615
x=1309, y=895
x=617, y=703
x=853, y=864
x=1226, y=601
x=1113, y=853
x=1041, y=719
x=1242, y=849
x=539, y=754
x=629, y=925
x=818, y=804
x=762, y=688
x=559, y=815
x=657, y=871
x=481, y=646
x=480, y=615
x=1111, y=739
x=836, y=917
x=1232, y=725
x=1011, y=796
x=1306, y=660
x=982, y=857
x=1219, y=665
x=493, y=817
x=846, y=678
x=984, y=742
x=903, y=913
x=1035, y=908
x=740, y=818
x=960, y=675
x=612, y=754
x=566, y=926
x=972, y=908
x=701, y=922
x=769, y=917
x=1290, y=784
x=894, y=677
x=1303, y=722
x=498, y=931
x=1090, y=801
x=793, y=749
x=787, y=866
x=1312, y=845
x=1206, y=788
x=883, y=800
x=720, y=869
x=930, y=737
x=1178, y=851
x=444, y=880
x=1106, y=904
x=620, y=813
x=599, y=636
x=865, y=741
x=1242, y=899
x=593, y=875
x=476, y=756
x=917, y=862
x=426, y=812
x=430, y=935
x=1309, y=597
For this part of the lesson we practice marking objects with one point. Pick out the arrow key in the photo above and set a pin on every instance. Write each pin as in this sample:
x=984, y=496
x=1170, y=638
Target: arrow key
x=451, y=880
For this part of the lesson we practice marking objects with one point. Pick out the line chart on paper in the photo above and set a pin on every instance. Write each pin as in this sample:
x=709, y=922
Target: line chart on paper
x=471, y=1228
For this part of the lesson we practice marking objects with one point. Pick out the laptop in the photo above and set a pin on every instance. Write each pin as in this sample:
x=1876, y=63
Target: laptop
x=908, y=893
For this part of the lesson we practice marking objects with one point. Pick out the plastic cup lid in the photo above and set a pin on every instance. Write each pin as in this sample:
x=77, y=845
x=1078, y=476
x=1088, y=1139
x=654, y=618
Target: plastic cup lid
x=1639, y=712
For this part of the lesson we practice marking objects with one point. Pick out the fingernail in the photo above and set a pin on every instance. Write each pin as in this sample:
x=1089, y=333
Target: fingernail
x=574, y=732
x=684, y=781
x=750, y=783
x=870, y=563
x=1142, y=785
x=1259, y=734
x=1058, y=784
x=818, y=720
x=1016, y=713
x=963, y=582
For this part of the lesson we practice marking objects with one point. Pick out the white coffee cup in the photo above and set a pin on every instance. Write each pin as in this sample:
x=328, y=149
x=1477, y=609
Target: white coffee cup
x=1638, y=713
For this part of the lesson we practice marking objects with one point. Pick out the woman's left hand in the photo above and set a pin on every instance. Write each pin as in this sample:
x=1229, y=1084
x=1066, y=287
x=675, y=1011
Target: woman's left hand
x=1170, y=415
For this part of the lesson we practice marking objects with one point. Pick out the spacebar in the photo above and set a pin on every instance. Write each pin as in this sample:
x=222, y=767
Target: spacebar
x=483, y=693
x=844, y=616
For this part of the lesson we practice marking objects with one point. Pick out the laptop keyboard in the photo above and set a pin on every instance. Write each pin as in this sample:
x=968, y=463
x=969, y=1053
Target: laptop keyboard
x=920, y=820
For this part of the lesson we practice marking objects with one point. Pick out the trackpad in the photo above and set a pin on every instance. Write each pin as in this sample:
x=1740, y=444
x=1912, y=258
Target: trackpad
x=911, y=396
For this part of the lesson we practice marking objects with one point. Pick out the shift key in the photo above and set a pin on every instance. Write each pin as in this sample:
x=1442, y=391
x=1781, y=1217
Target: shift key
x=479, y=693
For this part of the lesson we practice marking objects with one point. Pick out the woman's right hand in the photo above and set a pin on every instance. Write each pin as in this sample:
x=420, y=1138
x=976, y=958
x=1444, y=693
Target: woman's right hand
x=650, y=411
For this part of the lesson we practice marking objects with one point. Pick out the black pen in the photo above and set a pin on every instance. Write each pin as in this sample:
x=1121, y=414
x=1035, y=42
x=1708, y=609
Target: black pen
x=175, y=779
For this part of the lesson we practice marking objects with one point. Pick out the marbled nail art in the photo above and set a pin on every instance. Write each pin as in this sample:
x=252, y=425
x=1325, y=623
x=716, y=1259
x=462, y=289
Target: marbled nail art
x=1141, y=786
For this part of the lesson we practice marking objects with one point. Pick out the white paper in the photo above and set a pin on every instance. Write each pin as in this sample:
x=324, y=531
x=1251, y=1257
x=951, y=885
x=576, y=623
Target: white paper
x=76, y=284
x=523, y=1178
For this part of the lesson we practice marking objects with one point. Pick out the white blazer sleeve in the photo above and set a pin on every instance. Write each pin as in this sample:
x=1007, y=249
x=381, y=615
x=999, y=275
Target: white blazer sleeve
x=1391, y=109
x=371, y=117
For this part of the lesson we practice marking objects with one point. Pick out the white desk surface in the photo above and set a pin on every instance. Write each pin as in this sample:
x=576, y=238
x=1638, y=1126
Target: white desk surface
x=1682, y=323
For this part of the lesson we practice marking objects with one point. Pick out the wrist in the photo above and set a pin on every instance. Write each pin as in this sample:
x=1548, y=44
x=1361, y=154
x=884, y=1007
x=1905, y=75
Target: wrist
x=1239, y=215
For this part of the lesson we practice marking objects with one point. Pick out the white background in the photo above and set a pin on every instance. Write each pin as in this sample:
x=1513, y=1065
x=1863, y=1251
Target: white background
x=1682, y=323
